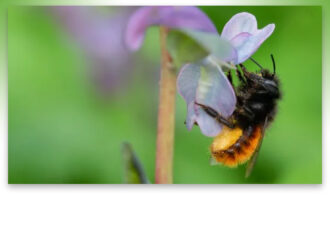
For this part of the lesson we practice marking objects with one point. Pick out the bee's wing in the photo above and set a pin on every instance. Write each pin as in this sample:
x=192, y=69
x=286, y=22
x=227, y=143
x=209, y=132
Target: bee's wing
x=252, y=161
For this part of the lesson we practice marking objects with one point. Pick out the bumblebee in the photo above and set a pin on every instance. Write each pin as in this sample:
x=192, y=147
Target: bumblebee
x=240, y=139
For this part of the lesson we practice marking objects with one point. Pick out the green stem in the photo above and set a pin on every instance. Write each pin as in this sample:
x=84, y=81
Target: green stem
x=166, y=112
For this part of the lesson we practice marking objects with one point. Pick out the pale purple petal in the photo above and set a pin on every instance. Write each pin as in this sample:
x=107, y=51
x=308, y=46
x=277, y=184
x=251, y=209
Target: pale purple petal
x=215, y=90
x=208, y=125
x=240, y=39
x=242, y=32
x=247, y=44
x=187, y=84
x=239, y=23
x=215, y=45
x=191, y=115
x=205, y=84
x=170, y=16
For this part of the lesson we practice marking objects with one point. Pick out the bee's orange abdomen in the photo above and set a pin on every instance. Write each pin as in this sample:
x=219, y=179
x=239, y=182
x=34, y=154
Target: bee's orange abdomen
x=235, y=146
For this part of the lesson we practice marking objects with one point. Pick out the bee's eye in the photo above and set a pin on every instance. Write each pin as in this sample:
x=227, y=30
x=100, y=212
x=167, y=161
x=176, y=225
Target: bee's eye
x=270, y=83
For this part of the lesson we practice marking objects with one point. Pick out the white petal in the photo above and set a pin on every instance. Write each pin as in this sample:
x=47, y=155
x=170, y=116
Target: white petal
x=191, y=115
x=215, y=90
x=215, y=45
x=208, y=85
x=208, y=125
x=247, y=44
x=239, y=23
x=187, y=84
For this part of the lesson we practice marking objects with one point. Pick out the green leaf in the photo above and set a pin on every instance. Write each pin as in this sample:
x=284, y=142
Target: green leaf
x=191, y=45
x=133, y=170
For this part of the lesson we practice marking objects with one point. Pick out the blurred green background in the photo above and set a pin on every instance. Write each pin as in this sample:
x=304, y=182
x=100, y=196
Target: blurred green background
x=62, y=129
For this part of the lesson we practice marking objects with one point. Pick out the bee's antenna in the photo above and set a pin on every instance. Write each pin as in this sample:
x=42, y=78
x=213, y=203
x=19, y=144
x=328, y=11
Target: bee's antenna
x=255, y=62
x=273, y=60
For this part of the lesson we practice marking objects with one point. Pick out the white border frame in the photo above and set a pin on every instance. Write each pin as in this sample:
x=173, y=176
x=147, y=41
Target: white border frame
x=166, y=207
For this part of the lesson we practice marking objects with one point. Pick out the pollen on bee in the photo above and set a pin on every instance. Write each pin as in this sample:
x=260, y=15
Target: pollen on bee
x=226, y=138
x=232, y=147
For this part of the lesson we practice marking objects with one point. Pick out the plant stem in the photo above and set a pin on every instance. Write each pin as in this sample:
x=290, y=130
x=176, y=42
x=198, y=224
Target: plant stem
x=166, y=112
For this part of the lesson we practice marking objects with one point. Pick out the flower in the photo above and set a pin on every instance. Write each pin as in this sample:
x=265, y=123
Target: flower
x=101, y=37
x=215, y=90
x=242, y=32
x=204, y=81
x=170, y=16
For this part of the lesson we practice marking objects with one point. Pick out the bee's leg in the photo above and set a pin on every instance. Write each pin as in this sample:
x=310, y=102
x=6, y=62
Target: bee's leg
x=250, y=77
x=216, y=115
x=240, y=76
x=230, y=77
x=243, y=68
x=246, y=73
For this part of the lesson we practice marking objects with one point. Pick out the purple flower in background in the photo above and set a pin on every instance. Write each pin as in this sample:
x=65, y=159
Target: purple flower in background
x=203, y=82
x=99, y=31
x=170, y=16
